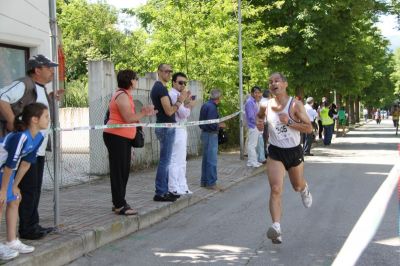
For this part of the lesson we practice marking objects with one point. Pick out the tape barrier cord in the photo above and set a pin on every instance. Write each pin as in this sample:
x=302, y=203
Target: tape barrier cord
x=168, y=125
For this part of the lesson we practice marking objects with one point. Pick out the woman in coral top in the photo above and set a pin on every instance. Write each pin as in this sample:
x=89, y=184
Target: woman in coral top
x=118, y=140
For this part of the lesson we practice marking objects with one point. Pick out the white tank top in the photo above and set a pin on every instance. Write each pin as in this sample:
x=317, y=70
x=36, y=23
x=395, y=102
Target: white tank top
x=280, y=135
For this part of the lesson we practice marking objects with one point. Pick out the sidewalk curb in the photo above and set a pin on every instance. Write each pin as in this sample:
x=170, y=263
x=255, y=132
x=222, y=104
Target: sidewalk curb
x=75, y=246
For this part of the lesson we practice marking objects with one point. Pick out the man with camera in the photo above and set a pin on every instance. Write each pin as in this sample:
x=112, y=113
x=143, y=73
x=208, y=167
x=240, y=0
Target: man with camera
x=177, y=183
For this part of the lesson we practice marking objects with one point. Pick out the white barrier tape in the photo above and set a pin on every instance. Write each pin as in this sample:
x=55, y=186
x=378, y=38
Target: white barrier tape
x=369, y=221
x=169, y=125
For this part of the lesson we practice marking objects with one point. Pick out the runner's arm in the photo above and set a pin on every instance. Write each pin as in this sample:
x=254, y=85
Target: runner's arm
x=261, y=117
x=304, y=126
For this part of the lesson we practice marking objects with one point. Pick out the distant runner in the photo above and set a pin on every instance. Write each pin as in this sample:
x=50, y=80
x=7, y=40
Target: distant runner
x=395, y=117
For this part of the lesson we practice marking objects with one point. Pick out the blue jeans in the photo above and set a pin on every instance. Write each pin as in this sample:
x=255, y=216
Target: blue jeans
x=209, y=162
x=328, y=132
x=166, y=136
x=260, y=149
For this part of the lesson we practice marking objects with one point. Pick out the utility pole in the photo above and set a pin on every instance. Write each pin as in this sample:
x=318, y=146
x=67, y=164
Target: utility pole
x=54, y=115
x=240, y=80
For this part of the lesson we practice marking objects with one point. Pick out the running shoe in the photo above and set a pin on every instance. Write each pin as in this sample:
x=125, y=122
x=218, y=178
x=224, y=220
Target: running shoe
x=7, y=253
x=306, y=197
x=274, y=234
x=17, y=245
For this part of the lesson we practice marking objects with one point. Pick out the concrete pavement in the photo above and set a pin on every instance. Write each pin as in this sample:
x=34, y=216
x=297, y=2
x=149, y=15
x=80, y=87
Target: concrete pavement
x=88, y=223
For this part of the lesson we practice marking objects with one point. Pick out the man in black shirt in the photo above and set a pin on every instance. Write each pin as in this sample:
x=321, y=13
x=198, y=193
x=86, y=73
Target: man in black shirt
x=166, y=114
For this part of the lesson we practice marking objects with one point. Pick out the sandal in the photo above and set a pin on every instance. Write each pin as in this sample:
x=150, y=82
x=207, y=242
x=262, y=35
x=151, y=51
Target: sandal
x=113, y=207
x=126, y=210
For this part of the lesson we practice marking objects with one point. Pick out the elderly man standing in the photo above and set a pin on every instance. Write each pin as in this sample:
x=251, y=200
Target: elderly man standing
x=166, y=114
x=251, y=109
x=13, y=98
x=177, y=183
x=308, y=137
x=209, y=139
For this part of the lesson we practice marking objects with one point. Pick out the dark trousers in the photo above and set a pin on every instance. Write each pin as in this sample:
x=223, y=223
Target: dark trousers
x=119, y=157
x=30, y=186
x=307, y=142
x=320, y=129
x=328, y=132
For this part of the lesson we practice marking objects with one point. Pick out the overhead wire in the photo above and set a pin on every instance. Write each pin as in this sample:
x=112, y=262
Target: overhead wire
x=38, y=9
x=24, y=23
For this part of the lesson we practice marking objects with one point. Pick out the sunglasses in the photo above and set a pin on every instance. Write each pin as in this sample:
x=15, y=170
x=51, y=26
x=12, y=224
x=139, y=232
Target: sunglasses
x=182, y=83
x=168, y=71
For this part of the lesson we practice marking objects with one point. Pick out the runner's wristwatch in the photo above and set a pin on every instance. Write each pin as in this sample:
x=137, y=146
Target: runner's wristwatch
x=290, y=122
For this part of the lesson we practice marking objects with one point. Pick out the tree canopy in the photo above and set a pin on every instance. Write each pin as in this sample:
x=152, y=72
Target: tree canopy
x=322, y=46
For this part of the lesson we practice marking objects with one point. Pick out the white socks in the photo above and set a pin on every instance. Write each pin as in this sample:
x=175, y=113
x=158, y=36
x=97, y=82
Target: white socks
x=277, y=226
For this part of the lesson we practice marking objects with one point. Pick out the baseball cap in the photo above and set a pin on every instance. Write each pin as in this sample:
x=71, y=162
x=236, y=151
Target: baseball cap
x=310, y=99
x=39, y=61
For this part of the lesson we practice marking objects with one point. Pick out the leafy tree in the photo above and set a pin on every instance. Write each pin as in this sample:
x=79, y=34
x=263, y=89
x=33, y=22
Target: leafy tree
x=324, y=46
x=395, y=76
x=396, y=10
x=89, y=32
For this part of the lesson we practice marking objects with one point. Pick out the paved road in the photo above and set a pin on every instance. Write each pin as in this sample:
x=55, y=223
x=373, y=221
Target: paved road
x=229, y=229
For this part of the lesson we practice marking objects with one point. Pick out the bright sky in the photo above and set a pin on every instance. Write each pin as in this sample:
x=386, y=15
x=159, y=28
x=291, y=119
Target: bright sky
x=126, y=3
x=387, y=24
x=389, y=30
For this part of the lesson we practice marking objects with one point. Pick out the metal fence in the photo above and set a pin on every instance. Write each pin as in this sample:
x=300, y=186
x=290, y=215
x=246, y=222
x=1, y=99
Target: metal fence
x=83, y=154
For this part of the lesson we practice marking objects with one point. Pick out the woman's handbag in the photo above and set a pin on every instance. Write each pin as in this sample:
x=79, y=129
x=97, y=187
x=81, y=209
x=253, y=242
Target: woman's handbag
x=138, y=141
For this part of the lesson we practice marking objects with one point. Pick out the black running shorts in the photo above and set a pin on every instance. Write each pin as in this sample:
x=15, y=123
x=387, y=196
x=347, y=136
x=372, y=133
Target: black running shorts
x=290, y=157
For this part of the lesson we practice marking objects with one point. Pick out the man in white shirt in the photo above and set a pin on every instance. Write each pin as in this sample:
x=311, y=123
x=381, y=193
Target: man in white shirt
x=365, y=114
x=177, y=183
x=308, y=138
x=39, y=72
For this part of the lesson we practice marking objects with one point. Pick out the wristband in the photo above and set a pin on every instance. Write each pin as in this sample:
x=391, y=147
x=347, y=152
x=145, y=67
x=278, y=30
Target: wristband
x=289, y=123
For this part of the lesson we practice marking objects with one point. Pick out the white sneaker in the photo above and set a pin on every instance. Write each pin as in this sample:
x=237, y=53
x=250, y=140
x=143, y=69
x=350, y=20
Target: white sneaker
x=188, y=192
x=306, y=197
x=17, y=245
x=274, y=234
x=255, y=164
x=7, y=253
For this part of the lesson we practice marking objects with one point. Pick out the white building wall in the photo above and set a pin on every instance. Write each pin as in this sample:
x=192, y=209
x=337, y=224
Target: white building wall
x=26, y=23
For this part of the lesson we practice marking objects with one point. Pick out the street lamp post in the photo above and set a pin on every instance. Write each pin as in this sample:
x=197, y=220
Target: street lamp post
x=56, y=133
x=240, y=79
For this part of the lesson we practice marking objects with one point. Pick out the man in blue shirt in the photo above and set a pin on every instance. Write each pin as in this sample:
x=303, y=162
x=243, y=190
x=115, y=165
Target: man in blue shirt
x=209, y=139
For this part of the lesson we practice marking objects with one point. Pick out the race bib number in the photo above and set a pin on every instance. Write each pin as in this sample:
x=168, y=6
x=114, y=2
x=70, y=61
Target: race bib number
x=281, y=131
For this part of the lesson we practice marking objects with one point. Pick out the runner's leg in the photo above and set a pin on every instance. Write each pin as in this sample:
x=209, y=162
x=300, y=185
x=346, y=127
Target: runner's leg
x=296, y=176
x=276, y=173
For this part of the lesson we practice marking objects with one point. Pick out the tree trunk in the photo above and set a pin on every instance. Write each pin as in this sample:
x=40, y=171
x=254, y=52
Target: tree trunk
x=339, y=100
x=357, y=109
x=300, y=93
x=351, y=110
